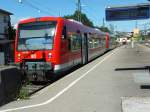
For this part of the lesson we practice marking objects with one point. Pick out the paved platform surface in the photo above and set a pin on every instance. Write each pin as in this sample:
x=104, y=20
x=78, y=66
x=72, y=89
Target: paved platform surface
x=136, y=104
x=95, y=87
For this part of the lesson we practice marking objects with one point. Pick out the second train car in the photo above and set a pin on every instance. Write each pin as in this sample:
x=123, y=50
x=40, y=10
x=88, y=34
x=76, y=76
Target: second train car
x=46, y=46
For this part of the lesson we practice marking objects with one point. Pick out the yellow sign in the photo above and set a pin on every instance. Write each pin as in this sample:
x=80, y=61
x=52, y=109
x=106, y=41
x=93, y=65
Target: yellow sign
x=136, y=31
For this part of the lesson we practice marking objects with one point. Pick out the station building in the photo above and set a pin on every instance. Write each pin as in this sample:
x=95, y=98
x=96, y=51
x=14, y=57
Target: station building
x=5, y=42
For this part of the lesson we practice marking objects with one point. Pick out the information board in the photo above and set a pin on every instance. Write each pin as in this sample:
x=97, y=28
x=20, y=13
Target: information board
x=127, y=13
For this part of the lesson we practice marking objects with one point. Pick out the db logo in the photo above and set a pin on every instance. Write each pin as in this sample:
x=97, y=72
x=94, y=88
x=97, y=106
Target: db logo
x=33, y=55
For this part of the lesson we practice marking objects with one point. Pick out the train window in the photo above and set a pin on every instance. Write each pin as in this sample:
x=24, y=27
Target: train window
x=94, y=41
x=90, y=43
x=91, y=40
x=36, y=35
x=75, y=41
x=103, y=41
x=64, y=33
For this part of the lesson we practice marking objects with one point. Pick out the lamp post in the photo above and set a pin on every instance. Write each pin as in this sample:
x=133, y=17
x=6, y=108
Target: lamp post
x=132, y=41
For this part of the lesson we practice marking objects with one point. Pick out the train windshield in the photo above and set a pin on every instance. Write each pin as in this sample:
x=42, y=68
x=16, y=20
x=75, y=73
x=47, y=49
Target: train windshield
x=36, y=36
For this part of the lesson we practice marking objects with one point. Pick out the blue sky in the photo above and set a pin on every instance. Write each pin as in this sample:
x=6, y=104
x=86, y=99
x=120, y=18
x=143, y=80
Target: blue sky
x=95, y=10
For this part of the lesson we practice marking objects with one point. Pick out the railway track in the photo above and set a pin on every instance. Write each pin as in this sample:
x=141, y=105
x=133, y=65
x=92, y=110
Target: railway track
x=30, y=89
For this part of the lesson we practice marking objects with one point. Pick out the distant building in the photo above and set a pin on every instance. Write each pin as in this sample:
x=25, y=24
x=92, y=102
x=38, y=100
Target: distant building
x=123, y=40
x=5, y=26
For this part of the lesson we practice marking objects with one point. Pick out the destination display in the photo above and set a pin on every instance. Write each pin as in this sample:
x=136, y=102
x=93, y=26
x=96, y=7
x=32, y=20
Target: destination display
x=127, y=13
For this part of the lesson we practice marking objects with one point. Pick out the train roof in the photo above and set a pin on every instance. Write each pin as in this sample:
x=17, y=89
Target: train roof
x=27, y=20
x=71, y=21
x=84, y=27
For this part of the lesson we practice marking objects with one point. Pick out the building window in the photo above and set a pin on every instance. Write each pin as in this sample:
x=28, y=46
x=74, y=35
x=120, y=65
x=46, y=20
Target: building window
x=5, y=19
x=6, y=32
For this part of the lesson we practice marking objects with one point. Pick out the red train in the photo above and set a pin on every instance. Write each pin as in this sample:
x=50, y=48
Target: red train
x=49, y=45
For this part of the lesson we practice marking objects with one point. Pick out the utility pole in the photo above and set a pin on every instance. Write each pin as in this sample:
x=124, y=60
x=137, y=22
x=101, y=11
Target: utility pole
x=103, y=22
x=79, y=10
x=136, y=24
x=145, y=29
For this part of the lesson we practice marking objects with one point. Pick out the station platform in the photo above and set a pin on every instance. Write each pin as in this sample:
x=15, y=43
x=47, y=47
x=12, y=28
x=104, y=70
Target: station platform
x=95, y=87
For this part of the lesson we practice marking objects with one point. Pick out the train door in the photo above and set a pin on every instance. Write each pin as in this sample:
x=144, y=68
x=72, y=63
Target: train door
x=107, y=41
x=84, y=49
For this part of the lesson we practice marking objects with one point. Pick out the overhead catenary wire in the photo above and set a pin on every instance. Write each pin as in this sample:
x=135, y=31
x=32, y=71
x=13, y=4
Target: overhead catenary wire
x=91, y=13
x=43, y=6
x=46, y=10
x=36, y=7
x=33, y=6
x=85, y=8
x=94, y=16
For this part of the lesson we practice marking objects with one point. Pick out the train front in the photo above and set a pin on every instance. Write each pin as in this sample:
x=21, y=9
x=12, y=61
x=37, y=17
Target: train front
x=35, y=51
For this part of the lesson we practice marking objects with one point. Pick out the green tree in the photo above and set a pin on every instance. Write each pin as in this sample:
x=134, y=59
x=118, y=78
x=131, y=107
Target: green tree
x=84, y=19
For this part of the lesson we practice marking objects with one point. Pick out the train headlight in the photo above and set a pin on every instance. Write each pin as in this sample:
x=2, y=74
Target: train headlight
x=19, y=56
x=49, y=55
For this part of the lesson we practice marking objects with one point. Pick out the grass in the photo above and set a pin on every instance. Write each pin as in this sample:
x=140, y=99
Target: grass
x=24, y=91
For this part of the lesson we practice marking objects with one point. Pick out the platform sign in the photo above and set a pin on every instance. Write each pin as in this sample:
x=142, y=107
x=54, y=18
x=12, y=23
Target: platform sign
x=128, y=13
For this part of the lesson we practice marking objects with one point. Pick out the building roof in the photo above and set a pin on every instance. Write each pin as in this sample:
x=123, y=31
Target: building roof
x=5, y=12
